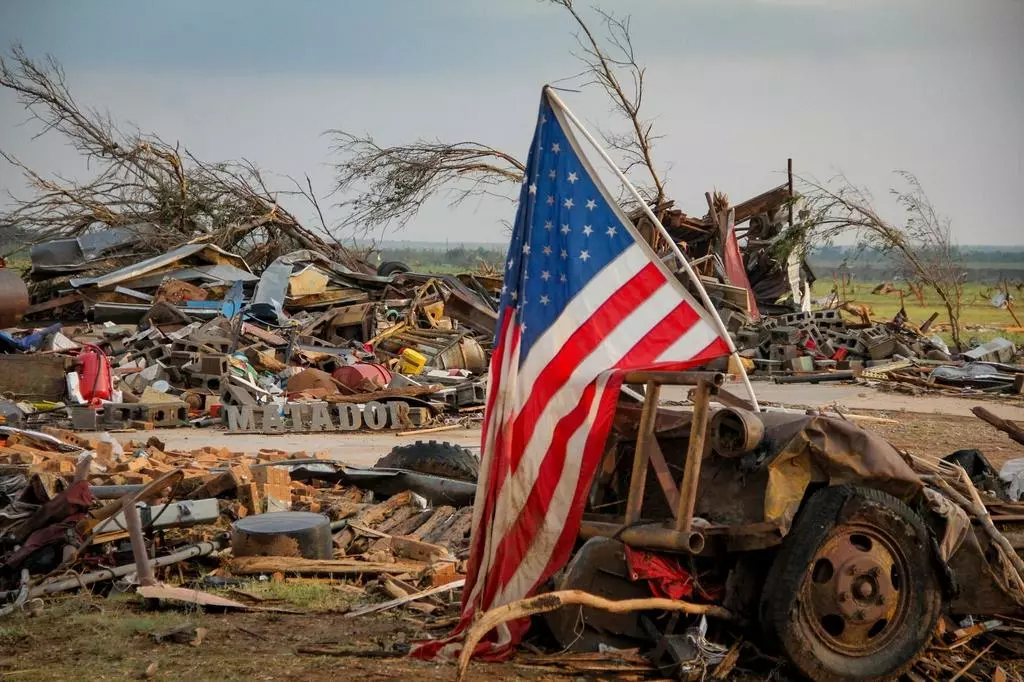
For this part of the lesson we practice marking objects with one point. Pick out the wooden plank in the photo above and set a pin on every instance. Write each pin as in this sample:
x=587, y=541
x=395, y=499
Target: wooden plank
x=417, y=550
x=251, y=565
x=53, y=303
x=376, y=608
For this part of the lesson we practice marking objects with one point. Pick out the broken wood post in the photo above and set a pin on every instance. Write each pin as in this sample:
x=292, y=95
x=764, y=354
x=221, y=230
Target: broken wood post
x=1015, y=432
x=638, y=477
x=694, y=453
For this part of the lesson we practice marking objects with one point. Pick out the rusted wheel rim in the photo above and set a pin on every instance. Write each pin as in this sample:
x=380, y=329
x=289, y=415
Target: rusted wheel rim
x=854, y=598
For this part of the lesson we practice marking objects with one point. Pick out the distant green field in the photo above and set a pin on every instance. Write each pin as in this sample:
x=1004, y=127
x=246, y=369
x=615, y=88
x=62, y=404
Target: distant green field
x=978, y=318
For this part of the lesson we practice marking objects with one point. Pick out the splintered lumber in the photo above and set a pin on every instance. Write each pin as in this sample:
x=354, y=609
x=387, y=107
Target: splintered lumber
x=412, y=524
x=371, y=516
x=233, y=478
x=432, y=429
x=1006, y=426
x=439, y=516
x=417, y=550
x=452, y=530
x=552, y=601
x=384, y=606
x=251, y=565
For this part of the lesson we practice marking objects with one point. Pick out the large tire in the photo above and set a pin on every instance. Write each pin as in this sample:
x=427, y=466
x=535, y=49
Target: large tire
x=433, y=458
x=391, y=267
x=852, y=594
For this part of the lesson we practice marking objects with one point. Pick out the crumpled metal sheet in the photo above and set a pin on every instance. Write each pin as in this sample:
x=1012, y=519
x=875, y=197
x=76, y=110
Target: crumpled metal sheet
x=204, y=253
x=974, y=374
x=63, y=256
x=835, y=452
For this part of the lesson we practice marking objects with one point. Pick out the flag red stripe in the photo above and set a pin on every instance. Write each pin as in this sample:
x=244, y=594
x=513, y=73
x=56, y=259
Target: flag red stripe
x=497, y=466
x=592, y=455
x=517, y=541
x=583, y=341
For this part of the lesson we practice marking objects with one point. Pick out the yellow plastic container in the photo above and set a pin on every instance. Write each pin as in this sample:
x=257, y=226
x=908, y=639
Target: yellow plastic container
x=412, y=362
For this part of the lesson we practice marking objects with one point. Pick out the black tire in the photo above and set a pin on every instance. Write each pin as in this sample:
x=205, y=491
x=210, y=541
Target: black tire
x=433, y=458
x=391, y=267
x=845, y=525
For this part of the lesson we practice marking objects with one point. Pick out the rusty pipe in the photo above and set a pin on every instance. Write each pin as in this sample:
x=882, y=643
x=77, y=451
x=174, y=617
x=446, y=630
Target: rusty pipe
x=647, y=536
x=735, y=431
x=674, y=378
x=641, y=456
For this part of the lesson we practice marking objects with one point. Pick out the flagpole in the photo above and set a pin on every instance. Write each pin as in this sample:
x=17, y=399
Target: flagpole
x=705, y=299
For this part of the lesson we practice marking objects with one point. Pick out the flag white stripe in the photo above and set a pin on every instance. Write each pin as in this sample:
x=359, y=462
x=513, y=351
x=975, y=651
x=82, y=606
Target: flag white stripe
x=697, y=338
x=633, y=327
x=598, y=290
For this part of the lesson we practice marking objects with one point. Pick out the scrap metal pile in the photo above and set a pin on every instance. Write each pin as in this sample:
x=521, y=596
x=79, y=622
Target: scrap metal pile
x=310, y=344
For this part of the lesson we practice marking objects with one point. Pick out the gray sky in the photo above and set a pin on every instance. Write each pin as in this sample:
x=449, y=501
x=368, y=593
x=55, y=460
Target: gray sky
x=865, y=87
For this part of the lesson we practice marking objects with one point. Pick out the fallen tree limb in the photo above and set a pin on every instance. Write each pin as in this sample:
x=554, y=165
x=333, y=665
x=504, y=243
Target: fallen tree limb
x=1013, y=564
x=249, y=565
x=552, y=601
x=1006, y=426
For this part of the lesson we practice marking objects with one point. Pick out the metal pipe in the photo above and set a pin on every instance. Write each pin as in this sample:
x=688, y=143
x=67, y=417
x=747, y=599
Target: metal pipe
x=197, y=550
x=638, y=477
x=674, y=378
x=694, y=453
x=134, y=525
x=647, y=536
x=113, y=492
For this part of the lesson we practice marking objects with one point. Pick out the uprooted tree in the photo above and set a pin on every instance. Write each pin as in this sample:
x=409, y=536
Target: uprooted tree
x=138, y=181
x=387, y=185
x=922, y=248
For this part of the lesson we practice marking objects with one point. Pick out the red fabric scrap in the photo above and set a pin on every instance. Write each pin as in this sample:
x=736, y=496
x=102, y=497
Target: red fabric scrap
x=666, y=576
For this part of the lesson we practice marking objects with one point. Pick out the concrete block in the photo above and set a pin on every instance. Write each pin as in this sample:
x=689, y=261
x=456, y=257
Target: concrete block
x=785, y=335
x=83, y=418
x=168, y=415
x=118, y=414
x=213, y=364
x=469, y=394
x=803, y=363
x=996, y=350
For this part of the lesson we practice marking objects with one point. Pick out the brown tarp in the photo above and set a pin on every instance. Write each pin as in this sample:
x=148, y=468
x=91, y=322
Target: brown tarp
x=826, y=450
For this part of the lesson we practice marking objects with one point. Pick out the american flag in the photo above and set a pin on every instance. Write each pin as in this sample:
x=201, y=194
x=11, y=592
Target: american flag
x=585, y=299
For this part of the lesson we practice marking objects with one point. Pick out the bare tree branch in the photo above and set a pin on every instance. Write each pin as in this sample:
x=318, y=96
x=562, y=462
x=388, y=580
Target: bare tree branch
x=605, y=67
x=141, y=182
x=385, y=185
x=922, y=248
x=391, y=184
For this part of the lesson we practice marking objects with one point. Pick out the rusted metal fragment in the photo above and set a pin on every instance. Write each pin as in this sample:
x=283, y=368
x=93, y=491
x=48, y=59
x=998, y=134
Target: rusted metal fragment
x=13, y=298
x=35, y=377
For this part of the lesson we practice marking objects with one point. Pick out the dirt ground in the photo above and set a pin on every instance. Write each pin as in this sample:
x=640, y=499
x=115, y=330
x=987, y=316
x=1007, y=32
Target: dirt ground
x=89, y=637
x=92, y=637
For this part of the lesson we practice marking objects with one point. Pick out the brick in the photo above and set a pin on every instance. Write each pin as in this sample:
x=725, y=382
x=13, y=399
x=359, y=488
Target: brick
x=227, y=481
x=251, y=497
x=271, y=475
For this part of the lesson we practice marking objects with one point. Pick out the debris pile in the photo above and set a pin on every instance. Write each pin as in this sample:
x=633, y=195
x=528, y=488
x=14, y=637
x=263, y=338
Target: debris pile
x=68, y=503
x=823, y=340
x=193, y=337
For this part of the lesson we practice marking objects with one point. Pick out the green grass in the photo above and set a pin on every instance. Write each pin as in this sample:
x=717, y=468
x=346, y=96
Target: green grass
x=306, y=596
